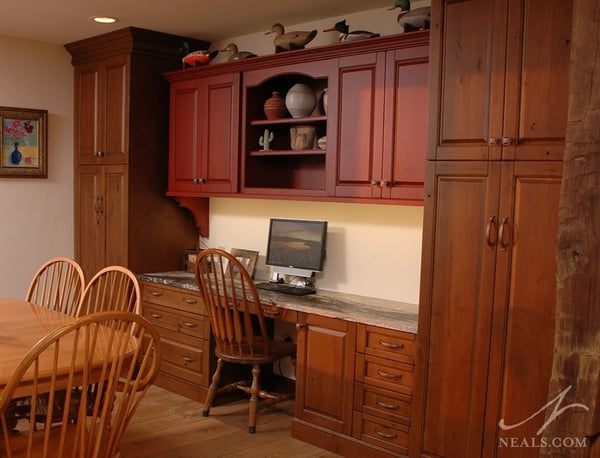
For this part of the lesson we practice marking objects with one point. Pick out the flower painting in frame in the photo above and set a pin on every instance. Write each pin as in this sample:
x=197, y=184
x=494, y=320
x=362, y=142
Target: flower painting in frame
x=24, y=142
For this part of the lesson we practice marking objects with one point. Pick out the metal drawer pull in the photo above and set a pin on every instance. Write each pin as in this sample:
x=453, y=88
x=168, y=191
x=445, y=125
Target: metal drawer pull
x=188, y=359
x=158, y=316
x=390, y=345
x=271, y=312
x=187, y=300
x=386, y=435
x=187, y=324
x=387, y=374
x=488, y=233
x=503, y=222
x=387, y=406
x=156, y=293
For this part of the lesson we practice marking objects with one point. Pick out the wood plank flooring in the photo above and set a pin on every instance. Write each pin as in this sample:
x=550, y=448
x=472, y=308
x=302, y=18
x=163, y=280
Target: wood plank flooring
x=167, y=425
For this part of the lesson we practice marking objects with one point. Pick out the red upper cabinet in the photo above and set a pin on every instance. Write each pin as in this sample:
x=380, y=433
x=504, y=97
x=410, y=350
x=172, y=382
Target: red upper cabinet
x=382, y=124
x=497, y=61
x=204, y=135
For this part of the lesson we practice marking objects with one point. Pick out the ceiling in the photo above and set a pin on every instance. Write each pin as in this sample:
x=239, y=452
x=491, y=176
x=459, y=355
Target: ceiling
x=64, y=21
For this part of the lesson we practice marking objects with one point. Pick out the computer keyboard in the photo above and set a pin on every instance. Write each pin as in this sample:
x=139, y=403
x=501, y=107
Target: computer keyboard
x=285, y=288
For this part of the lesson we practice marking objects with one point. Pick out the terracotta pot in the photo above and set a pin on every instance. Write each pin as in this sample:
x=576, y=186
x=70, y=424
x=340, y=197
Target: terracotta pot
x=274, y=107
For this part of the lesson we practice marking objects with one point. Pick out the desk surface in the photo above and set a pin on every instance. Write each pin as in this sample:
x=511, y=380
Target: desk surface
x=396, y=315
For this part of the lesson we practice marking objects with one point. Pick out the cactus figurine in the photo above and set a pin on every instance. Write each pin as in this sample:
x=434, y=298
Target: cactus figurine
x=266, y=139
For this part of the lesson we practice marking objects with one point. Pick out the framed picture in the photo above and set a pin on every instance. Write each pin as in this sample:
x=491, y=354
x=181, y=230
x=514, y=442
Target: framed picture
x=247, y=258
x=24, y=142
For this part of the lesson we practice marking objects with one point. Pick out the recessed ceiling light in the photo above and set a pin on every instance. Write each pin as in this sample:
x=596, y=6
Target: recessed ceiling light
x=104, y=19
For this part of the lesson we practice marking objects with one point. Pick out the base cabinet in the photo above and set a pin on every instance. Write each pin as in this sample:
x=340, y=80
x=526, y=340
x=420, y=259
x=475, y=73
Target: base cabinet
x=181, y=319
x=486, y=352
x=354, y=399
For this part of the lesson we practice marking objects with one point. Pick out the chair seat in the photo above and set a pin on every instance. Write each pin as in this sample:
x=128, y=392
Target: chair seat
x=277, y=350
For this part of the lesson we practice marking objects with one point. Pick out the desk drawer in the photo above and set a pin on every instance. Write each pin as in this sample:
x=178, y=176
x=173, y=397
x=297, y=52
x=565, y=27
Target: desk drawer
x=184, y=323
x=381, y=403
x=386, y=434
x=189, y=363
x=179, y=299
x=384, y=373
x=386, y=343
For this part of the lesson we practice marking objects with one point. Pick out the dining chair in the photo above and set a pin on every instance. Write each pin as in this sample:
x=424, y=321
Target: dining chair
x=239, y=329
x=111, y=288
x=57, y=285
x=118, y=351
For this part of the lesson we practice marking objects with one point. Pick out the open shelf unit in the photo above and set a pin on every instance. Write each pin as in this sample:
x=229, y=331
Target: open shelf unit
x=282, y=169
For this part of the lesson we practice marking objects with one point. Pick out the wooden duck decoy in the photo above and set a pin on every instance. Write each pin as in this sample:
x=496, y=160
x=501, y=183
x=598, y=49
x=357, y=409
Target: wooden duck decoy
x=235, y=54
x=411, y=20
x=200, y=57
x=345, y=35
x=291, y=40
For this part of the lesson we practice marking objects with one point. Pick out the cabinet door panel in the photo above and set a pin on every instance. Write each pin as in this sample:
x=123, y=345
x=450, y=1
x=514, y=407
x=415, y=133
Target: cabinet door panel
x=115, y=214
x=456, y=308
x=325, y=372
x=467, y=78
x=537, y=88
x=89, y=234
x=114, y=131
x=184, y=135
x=405, y=140
x=220, y=133
x=523, y=334
x=360, y=121
x=87, y=112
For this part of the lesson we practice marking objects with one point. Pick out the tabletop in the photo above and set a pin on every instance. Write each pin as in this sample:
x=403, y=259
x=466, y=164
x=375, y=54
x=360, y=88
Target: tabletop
x=22, y=325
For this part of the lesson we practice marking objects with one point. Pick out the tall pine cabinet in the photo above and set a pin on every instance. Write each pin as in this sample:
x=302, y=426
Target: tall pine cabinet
x=122, y=215
x=499, y=95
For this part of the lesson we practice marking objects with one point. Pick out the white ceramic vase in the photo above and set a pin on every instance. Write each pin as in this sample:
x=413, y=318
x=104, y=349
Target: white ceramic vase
x=300, y=100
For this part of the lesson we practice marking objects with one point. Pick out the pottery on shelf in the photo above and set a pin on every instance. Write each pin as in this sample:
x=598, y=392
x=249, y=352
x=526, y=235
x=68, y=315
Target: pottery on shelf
x=274, y=106
x=300, y=100
x=302, y=137
x=324, y=98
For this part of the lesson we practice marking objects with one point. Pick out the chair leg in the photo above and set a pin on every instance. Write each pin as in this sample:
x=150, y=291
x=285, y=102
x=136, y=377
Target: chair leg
x=212, y=390
x=254, y=389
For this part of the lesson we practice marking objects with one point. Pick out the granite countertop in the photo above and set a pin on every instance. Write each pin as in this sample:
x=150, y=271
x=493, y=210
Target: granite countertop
x=396, y=315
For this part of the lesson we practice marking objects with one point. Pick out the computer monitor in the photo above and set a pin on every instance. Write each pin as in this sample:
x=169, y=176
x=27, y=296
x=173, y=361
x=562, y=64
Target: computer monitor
x=296, y=246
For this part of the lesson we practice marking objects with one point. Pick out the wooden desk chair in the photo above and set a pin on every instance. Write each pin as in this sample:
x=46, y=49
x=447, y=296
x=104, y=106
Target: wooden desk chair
x=112, y=288
x=118, y=351
x=57, y=285
x=238, y=327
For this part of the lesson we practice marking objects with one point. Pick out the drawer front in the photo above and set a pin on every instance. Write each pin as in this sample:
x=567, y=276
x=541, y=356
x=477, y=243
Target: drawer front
x=189, y=363
x=180, y=322
x=381, y=403
x=386, y=434
x=179, y=299
x=384, y=373
x=387, y=343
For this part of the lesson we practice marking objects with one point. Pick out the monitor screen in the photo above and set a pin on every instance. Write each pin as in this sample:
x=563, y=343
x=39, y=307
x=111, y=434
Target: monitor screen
x=296, y=246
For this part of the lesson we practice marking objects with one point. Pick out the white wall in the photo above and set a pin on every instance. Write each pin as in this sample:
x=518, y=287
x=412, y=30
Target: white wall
x=372, y=250
x=36, y=215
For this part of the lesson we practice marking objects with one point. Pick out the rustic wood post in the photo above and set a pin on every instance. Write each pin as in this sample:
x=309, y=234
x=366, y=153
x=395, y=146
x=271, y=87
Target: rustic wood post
x=577, y=340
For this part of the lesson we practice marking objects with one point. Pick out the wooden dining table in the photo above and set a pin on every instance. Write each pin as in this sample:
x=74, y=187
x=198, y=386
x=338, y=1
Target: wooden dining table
x=22, y=325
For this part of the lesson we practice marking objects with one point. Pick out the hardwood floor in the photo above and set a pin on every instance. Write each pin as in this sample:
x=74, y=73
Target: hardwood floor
x=167, y=425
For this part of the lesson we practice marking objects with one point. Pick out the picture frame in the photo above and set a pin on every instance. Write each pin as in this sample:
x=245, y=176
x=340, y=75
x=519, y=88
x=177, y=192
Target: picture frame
x=247, y=257
x=23, y=142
